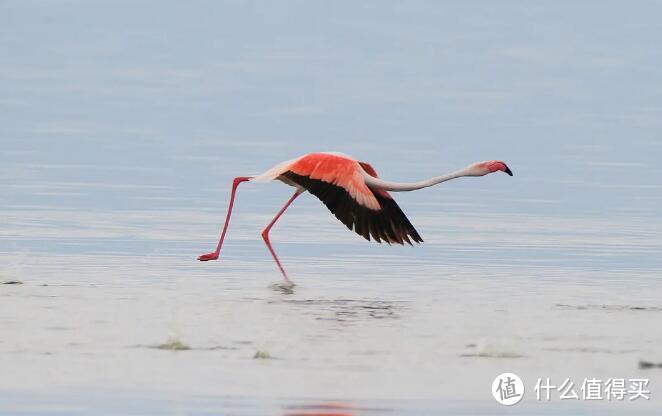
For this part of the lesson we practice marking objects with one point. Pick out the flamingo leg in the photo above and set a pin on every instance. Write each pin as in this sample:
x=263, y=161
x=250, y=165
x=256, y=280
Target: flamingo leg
x=214, y=255
x=265, y=232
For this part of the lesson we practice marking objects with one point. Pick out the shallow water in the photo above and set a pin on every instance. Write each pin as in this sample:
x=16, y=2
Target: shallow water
x=120, y=138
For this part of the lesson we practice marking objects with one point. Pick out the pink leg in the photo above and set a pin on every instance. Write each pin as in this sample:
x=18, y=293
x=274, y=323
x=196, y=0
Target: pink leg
x=214, y=255
x=265, y=232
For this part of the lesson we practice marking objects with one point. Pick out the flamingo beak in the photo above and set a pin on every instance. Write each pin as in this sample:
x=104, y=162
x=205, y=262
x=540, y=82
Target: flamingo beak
x=508, y=171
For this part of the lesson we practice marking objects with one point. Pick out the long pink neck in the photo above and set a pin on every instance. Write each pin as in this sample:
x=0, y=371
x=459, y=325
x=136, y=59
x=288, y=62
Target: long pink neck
x=412, y=186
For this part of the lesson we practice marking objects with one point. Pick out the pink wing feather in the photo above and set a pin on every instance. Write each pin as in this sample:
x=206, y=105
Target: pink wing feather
x=339, y=171
x=338, y=182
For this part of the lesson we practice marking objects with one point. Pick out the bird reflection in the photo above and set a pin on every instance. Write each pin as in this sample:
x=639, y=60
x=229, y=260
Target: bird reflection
x=320, y=409
x=331, y=409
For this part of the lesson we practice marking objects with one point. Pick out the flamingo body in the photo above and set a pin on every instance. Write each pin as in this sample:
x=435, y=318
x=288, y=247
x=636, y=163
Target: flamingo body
x=338, y=182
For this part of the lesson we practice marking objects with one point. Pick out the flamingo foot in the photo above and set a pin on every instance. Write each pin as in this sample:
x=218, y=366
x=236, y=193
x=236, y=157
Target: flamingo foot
x=208, y=256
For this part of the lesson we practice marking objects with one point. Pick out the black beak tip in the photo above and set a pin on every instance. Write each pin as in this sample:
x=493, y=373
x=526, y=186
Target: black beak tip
x=508, y=171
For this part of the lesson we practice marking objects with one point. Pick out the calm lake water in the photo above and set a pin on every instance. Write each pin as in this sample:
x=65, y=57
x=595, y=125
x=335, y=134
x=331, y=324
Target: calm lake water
x=123, y=123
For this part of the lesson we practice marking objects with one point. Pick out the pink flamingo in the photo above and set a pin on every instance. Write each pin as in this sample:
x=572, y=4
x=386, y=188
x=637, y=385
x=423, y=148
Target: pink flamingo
x=352, y=191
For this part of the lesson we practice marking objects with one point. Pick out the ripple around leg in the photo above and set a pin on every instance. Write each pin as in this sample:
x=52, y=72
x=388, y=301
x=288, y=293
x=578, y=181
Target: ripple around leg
x=286, y=288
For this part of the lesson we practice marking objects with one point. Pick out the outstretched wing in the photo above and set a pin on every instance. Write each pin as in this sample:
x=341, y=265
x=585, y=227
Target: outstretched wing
x=337, y=181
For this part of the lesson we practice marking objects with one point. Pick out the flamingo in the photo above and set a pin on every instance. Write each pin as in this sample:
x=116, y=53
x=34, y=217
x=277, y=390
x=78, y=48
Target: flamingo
x=353, y=192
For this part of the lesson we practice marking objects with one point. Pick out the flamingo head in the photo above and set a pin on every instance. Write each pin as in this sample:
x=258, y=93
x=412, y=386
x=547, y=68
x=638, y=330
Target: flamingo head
x=483, y=168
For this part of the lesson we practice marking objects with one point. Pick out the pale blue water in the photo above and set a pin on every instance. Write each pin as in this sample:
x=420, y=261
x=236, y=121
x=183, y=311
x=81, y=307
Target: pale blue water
x=123, y=123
